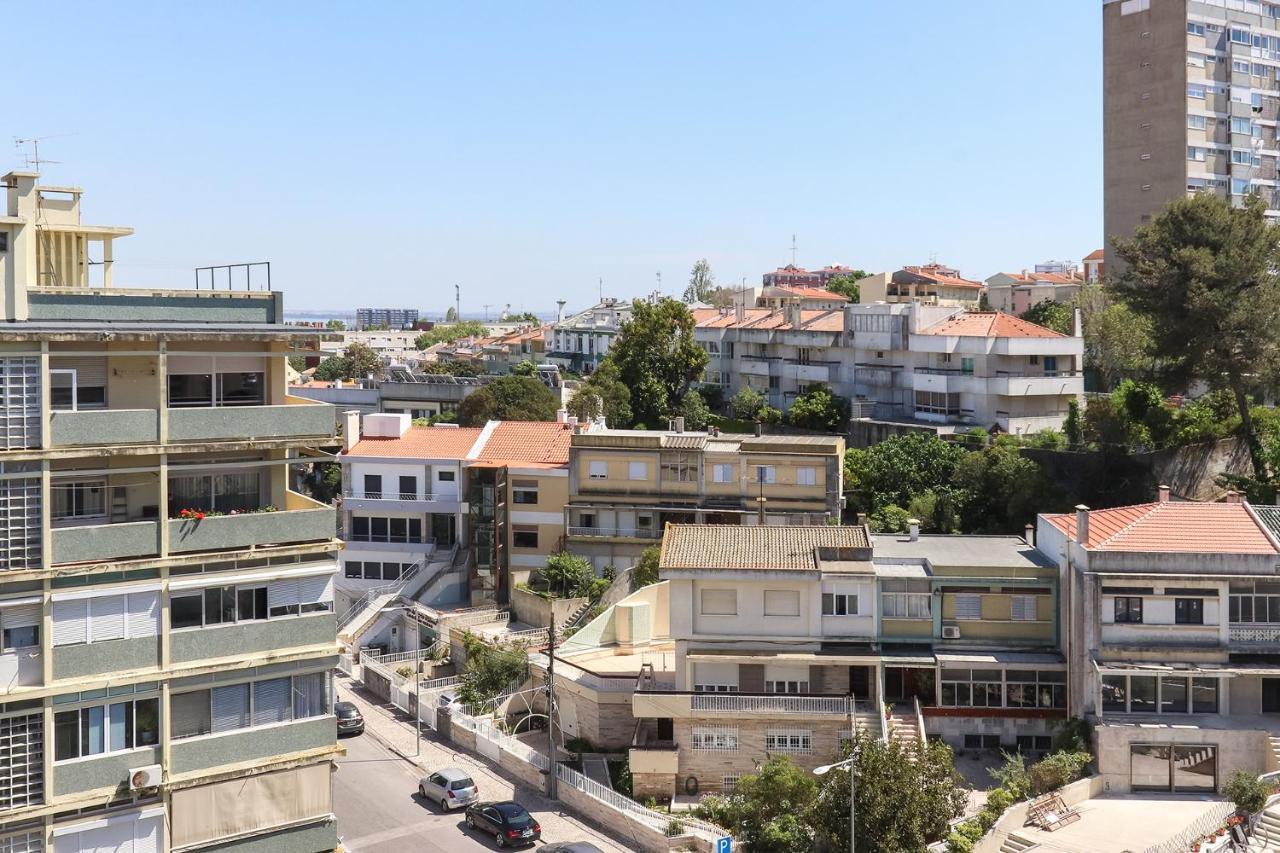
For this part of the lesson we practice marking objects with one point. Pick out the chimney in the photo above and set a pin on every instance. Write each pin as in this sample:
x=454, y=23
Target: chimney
x=862, y=519
x=562, y=416
x=1233, y=497
x=559, y=311
x=1162, y=493
x=677, y=423
x=1029, y=534
x=1077, y=324
x=740, y=309
x=913, y=529
x=759, y=429
x=350, y=429
x=797, y=318
x=1082, y=524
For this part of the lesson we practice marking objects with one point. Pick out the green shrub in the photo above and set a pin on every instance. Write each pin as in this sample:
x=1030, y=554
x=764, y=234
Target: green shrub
x=579, y=744
x=1073, y=735
x=1246, y=792
x=404, y=671
x=1056, y=770
x=1000, y=799
x=1012, y=776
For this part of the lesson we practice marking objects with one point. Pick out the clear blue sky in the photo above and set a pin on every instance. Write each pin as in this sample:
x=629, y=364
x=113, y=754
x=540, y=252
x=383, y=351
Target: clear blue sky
x=381, y=152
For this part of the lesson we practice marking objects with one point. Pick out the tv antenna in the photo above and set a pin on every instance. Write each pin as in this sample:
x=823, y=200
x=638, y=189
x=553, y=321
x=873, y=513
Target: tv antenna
x=486, y=312
x=793, y=250
x=31, y=154
x=659, y=274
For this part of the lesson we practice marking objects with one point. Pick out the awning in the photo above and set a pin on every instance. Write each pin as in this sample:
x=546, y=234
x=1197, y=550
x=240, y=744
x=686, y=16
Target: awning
x=1002, y=658
x=1179, y=668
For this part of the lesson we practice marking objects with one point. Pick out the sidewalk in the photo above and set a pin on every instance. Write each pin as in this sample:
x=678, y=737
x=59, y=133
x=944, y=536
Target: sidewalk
x=394, y=728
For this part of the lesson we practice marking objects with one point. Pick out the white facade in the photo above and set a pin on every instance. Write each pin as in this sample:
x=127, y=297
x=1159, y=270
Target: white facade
x=582, y=340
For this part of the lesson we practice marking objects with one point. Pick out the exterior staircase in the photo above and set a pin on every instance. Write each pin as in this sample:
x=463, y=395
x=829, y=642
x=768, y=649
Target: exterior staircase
x=1266, y=832
x=1017, y=844
x=1275, y=749
x=365, y=611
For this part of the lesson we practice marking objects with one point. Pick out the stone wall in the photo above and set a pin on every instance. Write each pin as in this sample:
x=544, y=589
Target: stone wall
x=660, y=786
x=1238, y=749
x=709, y=767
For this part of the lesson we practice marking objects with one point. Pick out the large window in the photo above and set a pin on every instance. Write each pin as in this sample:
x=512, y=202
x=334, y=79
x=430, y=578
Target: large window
x=679, y=467
x=905, y=599
x=239, y=492
x=77, y=383
x=1188, y=611
x=376, y=571
x=100, y=618
x=722, y=473
x=250, y=704
x=1128, y=609
x=250, y=602
x=19, y=627
x=1163, y=694
x=198, y=381
x=839, y=604
x=788, y=740
x=79, y=500
x=1013, y=688
x=377, y=529
x=1254, y=601
x=524, y=536
x=110, y=727
x=717, y=739
x=937, y=403
x=524, y=492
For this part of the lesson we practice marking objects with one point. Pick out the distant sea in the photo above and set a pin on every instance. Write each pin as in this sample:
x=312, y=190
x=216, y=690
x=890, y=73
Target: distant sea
x=349, y=317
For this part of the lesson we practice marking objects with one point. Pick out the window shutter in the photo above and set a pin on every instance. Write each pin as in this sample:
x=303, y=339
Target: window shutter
x=91, y=371
x=70, y=622
x=144, y=614
x=26, y=616
x=314, y=590
x=146, y=835
x=106, y=618
x=282, y=593
x=1023, y=608
x=271, y=701
x=230, y=708
x=968, y=606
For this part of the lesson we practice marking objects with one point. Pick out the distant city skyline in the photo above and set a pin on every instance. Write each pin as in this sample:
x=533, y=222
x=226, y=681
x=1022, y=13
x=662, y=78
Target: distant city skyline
x=525, y=153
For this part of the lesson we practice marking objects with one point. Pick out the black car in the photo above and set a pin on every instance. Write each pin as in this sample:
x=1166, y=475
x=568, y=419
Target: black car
x=509, y=823
x=570, y=847
x=350, y=722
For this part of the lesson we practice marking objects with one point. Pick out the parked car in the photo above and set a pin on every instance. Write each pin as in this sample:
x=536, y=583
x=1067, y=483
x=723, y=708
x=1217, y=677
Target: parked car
x=447, y=700
x=451, y=788
x=350, y=720
x=570, y=847
x=509, y=823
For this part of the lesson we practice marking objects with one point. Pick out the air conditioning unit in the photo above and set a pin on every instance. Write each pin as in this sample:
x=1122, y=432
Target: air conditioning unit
x=145, y=777
x=950, y=632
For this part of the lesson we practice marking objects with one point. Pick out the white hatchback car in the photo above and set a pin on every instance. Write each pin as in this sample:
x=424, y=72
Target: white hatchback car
x=451, y=788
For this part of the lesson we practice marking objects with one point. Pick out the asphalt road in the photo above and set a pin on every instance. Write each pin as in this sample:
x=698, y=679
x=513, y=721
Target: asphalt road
x=376, y=800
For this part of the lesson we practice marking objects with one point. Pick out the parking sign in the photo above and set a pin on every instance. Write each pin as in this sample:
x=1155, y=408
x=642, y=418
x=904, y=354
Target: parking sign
x=724, y=845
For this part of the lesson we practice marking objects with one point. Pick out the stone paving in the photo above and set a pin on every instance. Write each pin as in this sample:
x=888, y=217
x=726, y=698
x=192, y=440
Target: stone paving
x=395, y=729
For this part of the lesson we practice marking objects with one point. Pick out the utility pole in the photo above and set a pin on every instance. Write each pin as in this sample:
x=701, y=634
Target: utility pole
x=457, y=304
x=551, y=705
x=417, y=708
x=793, y=250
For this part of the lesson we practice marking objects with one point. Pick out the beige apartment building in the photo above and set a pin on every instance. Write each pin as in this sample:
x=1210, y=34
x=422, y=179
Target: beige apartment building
x=933, y=284
x=626, y=486
x=1191, y=100
x=167, y=627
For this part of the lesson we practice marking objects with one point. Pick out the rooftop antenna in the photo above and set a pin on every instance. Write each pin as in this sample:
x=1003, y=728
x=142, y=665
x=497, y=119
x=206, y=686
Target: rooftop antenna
x=601, y=286
x=659, y=282
x=457, y=304
x=933, y=259
x=793, y=250
x=486, y=312
x=33, y=158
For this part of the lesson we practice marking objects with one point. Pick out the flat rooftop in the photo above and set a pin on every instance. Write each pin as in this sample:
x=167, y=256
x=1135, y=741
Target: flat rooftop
x=1011, y=552
x=1119, y=824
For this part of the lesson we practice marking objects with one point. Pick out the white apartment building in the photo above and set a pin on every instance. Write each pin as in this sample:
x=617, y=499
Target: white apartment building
x=579, y=342
x=908, y=362
x=1018, y=292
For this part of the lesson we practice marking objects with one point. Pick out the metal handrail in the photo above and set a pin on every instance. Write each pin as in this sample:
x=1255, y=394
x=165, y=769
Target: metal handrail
x=632, y=532
x=351, y=494
x=390, y=589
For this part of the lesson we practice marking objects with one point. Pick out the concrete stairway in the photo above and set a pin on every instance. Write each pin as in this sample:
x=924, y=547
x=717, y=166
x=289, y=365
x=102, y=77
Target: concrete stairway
x=1016, y=844
x=1266, y=833
x=1275, y=748
x=903, y=728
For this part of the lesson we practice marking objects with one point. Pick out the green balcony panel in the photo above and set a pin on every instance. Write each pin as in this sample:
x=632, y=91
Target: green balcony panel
x=252, y=744
x=250, y=422
x=101, y=542
x=105, y=426
x=107, y=771
x=85, y=659
x=114, y=305
x=248, y=637
x=299, y=839
x=215, y=533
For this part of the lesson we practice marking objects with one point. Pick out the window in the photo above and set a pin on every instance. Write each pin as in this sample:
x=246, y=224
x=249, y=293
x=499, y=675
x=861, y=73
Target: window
x=238, y=492
x=905, y=599
x=1239, y=186
x=82, y=499
x=839, y=604
x=788, y=740
x=186, y=610
x=966, y=366
x=637, y=470
x=1195, y=29
x=1128, y=609
x=445, y=476
x=1023, y=608
x=77, y=383
x=1195, y=91
x=251, y=602
x=4, y=241
x=719, y=602
x=1196, y=154
x=202, y=387
x=599, y=469
x=101, y=729
x=1178, y=694
x=259, y=703
x=937, y=403
x=373, y=486
x=524, y=492
x=524, y=536
x=1035, y=689
x=968, y=606
x=1196, y=122
x=106, y=617
x=376, y=529
x=1240, y=36
x=767, y=474
x=678, y=467
x=786, y=679
x=408, y=488
x=189, y=714
x=715, y=677
x=1253, y=602
x=781, y=602
x=807, y=476
x=723, y=474
x=708, y=739
x=19, y=627
x=1239, y=66
x=1188, y=611
x=729, y=783
x=1034, y=743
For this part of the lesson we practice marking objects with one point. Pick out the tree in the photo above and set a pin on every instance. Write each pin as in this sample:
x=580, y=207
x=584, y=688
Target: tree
x=746, y=404
x=657, y=357
x=335, y=325
x=1207, y=276
x=817, y=408
x=1117, y=341
x=847, y=285
x=489, y=669
x=509, y=398
x=565, y=575
x=905, y=796
x=298, y=362
x=332, y=368
x=603, y=393
x=454, y=332
x=356, y=362
x=694, y=410
x=767, y=810
x=523, y=317
x=702, y=282
x=451, y=316
x=524, y=368
x=1248, y=793
x=1058, y=316
x=645, y=572
x=1003, y=490
x=899, y=468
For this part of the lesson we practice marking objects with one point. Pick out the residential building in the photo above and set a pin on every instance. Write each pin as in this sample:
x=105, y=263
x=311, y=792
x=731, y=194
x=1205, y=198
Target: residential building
x=626, y=486
x=933, y=284
x=579, y=342
x=386, y=318
x=1174, y=617
x=498, y=353
x=794, y=276
x=1095, y=267
x=1019, y=292
x=934, y=366
x=166, y=597
x=785, y=637
x=1191, y=95
x=781, y=296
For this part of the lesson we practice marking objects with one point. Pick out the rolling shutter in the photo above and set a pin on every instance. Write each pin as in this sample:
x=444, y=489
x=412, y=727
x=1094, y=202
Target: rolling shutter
x=70, y=622
x=230, y=708
x=968, y=606
x=91, y=371
x=25, y=616
x=271, y=701
x=144, y=614
x=315, y=590
x=106, y=618
x=282, y=593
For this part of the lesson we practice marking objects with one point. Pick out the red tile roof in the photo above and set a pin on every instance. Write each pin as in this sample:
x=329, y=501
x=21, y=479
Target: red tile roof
x=1173, y=526
x=989, y=324
x=523, y=442
x=941, y=275
x=813, y=292
x=420, y=442
x=1095, y=255
x=1051, y=277
x=811, y=319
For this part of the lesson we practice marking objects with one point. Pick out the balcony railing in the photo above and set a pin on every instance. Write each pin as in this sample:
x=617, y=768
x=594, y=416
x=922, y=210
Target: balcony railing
x=617, y=532
x=301, y=520
x=1255, y=633
x=728, y=703
x=297, y=417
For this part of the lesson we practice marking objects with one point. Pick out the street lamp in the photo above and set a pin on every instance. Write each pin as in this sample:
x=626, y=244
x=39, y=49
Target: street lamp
x=827, y=768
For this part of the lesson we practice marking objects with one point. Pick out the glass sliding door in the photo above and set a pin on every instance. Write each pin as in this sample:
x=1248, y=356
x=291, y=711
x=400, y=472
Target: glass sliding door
x=1149, y=767
x=1195, y=768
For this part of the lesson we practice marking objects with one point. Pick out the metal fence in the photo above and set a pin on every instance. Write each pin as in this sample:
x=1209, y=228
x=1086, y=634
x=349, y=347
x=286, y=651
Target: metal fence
x=1208, y=822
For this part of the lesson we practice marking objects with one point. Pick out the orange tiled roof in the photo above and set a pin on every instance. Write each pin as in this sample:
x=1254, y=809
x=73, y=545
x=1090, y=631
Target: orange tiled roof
x=1051, y=277
x=813, y=292
x=420, y=442
x=1173, y=526
x=1095, y=255
x=936, y=274
x=811, y=319
x=989, y=324
x=538, y=442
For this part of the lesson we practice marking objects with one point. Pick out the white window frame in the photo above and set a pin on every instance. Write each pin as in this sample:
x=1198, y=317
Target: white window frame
x=788, y=740
x=724, y=473
x=703, y=601
x=637, y=470
x=849, y=600
x=598, y=469
x=713, y=739
x=807, y=476
x=768, y=474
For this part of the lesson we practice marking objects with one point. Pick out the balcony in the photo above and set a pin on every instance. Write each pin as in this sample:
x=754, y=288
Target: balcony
x=20, y=668
x=1032, y=384
x=669, y=704
x=448, y=502
x=645, y=533
x=102, y=542
x=810, y=371
x=1257, y=633
x=297, y=417
x=752, y=365
x=399, y=546
x=301, y=520
x=105, y=426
